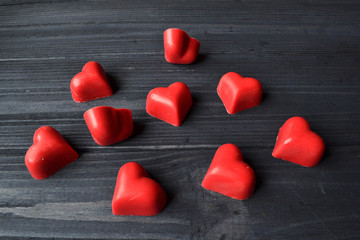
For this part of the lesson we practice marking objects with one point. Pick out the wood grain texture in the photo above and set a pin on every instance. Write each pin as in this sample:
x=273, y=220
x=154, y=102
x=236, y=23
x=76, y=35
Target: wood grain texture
x=305, y=53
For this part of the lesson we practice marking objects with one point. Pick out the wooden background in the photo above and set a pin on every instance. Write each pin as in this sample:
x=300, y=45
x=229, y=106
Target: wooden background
x=305, y=53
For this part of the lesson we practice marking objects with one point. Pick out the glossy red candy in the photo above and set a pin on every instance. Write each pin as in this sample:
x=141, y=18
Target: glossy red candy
x=91, y=83
x=179, y=47
x=136, y=193
x=239, y=93
x=49, y=153
x=169, y=104
x=298, y=144
x=229, y=175
x=109, y=125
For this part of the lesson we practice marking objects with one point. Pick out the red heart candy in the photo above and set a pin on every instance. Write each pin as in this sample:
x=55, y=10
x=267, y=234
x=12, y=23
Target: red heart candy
x=298, y=144
x=238, y=93
x=169, y=104
x=136, y=193
x=49, y=153
x=229, y=175
x=109, y=125
x=91, y=83
x=179, y=47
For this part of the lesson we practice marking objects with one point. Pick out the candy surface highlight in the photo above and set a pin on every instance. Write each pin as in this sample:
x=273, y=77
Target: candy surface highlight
x=109, y=125
x=90, y=84
x=239, y=93
x=169, y=104
x=179, y=47
x=49, y=153
x=298, y=144
x=136, y=193
x=229, y=175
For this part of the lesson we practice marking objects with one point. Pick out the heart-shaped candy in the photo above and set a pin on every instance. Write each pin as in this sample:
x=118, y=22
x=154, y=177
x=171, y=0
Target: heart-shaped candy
x=109, y=125
x=91, y=83
x=49, y=153
x=298, y=144
x=238, y=93
x=169, y=104
x=179, y=47
x=229, y=175
x=136, y=193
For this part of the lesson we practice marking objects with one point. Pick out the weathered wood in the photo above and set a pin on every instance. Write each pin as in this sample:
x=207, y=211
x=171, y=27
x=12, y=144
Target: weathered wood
x=305, y=53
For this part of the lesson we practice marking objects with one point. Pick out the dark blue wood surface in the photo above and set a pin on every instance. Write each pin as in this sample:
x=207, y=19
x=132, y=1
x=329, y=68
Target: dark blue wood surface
x=305, y=53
